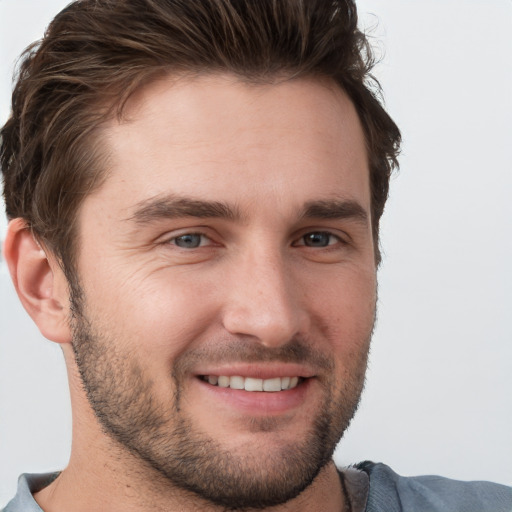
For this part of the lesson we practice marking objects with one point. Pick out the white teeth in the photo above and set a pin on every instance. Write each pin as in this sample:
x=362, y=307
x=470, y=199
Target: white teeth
x=272, y=384
x=223, y=382
x=253, y=384
x=236, y=383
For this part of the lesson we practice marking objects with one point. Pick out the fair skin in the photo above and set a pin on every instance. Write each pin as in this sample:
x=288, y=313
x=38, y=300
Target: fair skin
x=233, y=227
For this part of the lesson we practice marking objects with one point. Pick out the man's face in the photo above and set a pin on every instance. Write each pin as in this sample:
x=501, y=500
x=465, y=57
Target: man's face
x=229, y=247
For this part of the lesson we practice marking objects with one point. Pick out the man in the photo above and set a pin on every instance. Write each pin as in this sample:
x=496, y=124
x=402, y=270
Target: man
x=195, y=191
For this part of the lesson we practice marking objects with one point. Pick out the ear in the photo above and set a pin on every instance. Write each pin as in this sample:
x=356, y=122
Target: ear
x=39, y=282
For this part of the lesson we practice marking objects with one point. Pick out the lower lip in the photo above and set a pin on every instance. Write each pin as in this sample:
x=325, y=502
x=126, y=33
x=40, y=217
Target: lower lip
x=258, y=402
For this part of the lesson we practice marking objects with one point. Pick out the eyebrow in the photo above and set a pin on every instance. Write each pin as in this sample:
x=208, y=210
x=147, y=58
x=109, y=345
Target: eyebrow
x=171, y=207
x=335, y=209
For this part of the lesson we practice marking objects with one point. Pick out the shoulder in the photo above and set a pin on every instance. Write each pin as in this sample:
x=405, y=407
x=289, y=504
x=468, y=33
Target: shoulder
x=28, y=484
x=391, y=492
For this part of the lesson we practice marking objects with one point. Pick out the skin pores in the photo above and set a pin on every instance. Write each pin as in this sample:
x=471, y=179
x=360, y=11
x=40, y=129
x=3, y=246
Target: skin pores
x=231, y=240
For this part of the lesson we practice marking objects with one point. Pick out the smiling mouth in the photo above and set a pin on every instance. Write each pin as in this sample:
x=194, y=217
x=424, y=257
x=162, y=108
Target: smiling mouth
x=252, y=384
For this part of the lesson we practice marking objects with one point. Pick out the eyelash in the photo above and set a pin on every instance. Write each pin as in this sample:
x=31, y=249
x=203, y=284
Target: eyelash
x=185, y=235
x=311, y=234
x=301, y=242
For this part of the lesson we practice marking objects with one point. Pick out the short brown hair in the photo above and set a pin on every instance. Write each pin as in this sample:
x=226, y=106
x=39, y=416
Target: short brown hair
x=96, y=53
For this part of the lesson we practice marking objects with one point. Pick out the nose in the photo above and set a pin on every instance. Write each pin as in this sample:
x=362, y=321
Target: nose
x=263, y=301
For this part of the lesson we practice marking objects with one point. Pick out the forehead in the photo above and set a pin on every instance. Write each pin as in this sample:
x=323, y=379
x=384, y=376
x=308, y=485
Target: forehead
x=215, y=137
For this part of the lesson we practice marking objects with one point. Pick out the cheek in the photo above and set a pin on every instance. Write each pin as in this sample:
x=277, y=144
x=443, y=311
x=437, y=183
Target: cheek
x=347, y=310
x=160, y=312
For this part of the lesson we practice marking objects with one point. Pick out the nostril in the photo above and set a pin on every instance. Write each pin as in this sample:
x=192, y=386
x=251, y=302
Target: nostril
x=271, y=329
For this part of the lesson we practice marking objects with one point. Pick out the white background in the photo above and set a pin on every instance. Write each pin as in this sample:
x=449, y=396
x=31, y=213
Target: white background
x=438, y=396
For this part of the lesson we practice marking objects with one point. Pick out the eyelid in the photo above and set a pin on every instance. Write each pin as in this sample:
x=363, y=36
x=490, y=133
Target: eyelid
x=342, y=238
x=170, y=236
x=202, y=240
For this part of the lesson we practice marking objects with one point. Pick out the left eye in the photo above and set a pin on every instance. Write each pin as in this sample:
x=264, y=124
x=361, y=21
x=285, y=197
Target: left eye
x=189, y=240
x=319, y=239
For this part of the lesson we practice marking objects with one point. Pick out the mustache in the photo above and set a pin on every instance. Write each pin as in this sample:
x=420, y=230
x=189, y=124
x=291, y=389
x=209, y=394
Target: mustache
x=244, y=350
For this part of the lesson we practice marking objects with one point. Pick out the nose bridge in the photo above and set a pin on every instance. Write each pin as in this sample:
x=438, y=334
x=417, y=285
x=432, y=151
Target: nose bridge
x=261, y=302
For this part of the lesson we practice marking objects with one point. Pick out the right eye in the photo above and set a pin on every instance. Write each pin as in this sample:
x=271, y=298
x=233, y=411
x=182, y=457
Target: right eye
x=190, y=240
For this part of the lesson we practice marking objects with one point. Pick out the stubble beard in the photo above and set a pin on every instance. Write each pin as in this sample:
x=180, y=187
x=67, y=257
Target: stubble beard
x=121, y=394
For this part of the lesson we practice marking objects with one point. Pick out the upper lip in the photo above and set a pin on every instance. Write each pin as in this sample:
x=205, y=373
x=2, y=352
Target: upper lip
x=258, y=370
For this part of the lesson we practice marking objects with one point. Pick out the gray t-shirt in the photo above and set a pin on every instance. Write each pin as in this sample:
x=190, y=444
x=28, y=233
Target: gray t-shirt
x=370, y=488
x=389, y=492
x=28, y=484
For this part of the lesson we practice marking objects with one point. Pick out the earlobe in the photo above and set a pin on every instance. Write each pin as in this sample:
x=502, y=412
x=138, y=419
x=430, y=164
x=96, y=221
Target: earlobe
x=39, y=282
